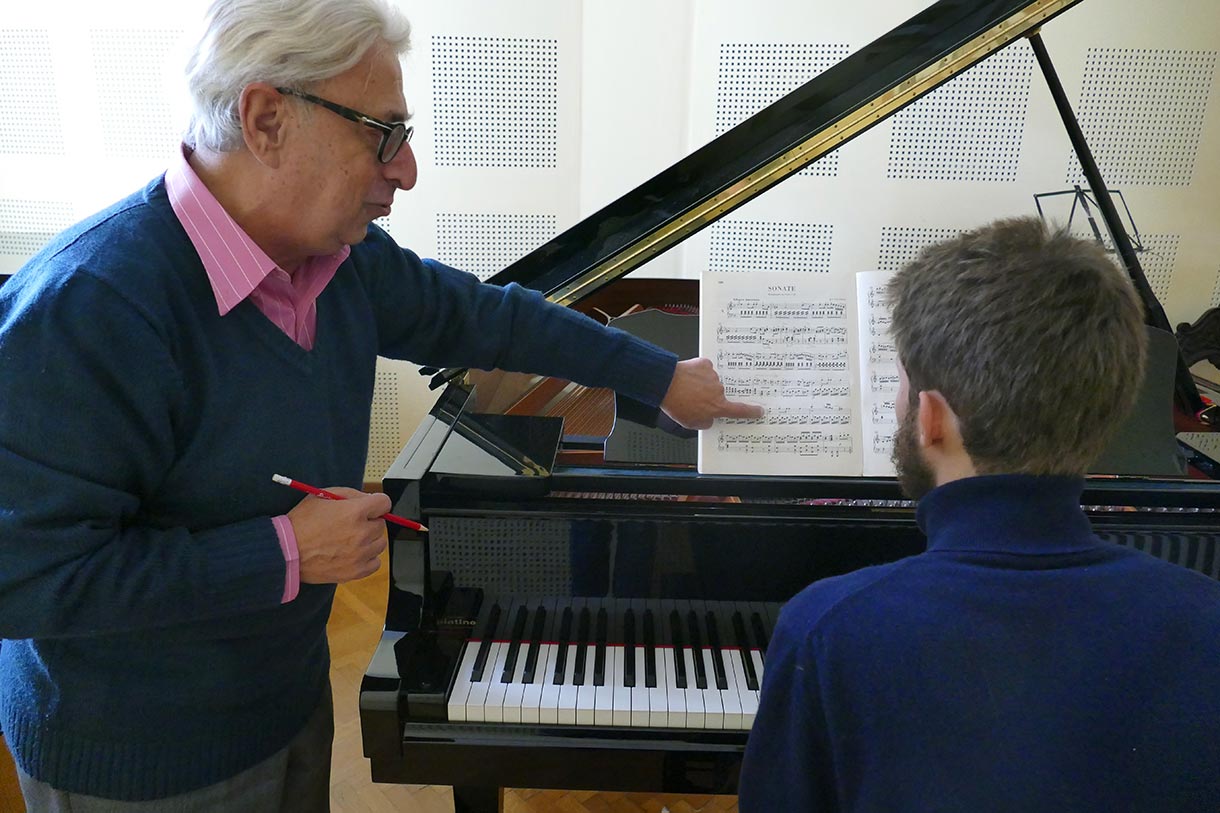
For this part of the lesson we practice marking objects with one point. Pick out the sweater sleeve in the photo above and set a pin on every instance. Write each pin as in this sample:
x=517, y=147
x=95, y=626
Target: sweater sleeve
x=788, y=760
x=86, y=436
x=432, y=314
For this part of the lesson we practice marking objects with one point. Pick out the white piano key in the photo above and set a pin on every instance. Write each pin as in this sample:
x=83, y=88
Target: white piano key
x=639, y=693
x=515, y=692
x=730, y=698
x=585, y=703
x=567, y=693
x=756, y=656
x=548, y=702
x=461, y=682
x=747, y=698
x=476, y=700
x=603, y=698
x=675, y=698
x=713, y=702
x=531, y=698
x=693, y=694
x=493, y=706
x=658, y=697
x=622, y=695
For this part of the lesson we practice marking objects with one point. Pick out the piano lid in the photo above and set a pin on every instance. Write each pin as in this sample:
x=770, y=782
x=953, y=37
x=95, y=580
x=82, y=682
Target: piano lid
x=832, y=108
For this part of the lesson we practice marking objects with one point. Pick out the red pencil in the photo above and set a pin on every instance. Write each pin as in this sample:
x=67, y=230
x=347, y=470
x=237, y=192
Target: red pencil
x=330, y=495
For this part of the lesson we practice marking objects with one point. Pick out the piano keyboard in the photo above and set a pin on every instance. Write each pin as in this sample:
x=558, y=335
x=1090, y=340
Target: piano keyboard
x=614, y=662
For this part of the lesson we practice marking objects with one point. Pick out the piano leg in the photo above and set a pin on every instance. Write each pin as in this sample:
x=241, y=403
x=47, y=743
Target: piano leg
x=477, y=799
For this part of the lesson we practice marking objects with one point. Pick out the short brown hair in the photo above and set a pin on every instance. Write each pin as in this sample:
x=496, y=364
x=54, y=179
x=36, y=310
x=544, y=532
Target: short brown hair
x=1034, y=338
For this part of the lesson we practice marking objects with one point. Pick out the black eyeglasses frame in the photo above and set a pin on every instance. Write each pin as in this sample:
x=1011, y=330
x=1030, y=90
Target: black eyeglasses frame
x=393, y=134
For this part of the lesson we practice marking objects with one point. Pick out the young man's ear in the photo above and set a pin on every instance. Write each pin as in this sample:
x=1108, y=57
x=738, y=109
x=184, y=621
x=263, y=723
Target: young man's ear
x=936, y=420
x=264, y=116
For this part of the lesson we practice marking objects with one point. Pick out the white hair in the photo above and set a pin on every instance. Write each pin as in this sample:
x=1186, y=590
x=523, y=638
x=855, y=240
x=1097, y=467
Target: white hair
x=288, y=43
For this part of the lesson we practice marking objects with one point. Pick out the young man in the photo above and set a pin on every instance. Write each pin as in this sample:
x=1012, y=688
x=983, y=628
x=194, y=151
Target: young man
x=1020, y=663
x=164, y=603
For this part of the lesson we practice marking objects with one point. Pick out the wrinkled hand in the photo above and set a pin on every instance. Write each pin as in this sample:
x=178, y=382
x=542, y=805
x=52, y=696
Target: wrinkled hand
x=340, y=540
x=696, y=397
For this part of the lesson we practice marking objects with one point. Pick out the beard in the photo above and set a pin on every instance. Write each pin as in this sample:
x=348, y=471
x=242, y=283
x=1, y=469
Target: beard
x=914, y=476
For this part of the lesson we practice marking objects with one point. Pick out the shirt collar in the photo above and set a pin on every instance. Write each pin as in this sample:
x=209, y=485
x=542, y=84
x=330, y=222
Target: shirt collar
x=1014, y=513
x=234, y=263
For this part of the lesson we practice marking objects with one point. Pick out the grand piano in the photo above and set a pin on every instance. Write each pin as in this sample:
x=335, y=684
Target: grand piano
x=584, y=615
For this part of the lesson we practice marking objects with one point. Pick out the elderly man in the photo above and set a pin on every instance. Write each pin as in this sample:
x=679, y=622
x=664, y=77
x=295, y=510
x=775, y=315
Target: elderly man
x=164, y=603
x=1021, y=663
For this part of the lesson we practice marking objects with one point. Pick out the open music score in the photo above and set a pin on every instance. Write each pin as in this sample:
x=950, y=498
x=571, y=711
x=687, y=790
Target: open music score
x=878, y=374
x=815, y=351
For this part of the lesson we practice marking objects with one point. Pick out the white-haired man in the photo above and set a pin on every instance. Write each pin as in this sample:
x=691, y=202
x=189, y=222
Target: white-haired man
x=164, y=603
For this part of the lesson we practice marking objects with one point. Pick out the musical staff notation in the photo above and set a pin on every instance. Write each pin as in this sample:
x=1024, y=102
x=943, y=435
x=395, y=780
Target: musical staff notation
x=761, y=309
x=884, y=412
x=785, y=335
x=786, y=361
x=797, y=416
x=875, y=296
x=802, y=444
x=883, y=382
x=762, y=387
x=882, y=443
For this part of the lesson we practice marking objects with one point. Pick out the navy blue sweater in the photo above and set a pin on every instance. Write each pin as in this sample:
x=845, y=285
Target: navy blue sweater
x=140, y=575
x=1020, y=664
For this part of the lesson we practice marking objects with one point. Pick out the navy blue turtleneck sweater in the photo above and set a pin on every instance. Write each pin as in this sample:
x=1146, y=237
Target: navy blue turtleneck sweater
x=1019, y=664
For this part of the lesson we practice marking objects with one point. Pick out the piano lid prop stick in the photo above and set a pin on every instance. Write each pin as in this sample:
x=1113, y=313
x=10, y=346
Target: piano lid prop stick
x=330, y=495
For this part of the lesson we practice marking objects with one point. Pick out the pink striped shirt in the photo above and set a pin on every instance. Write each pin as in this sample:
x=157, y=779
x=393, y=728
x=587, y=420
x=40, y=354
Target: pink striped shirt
x=237, y=268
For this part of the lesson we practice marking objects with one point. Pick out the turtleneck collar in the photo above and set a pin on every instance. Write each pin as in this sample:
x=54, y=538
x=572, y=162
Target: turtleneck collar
x=1013, y=513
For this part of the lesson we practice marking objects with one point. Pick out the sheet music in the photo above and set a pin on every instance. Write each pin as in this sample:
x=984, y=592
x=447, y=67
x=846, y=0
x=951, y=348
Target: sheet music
x=785, y=341
x=878, y=374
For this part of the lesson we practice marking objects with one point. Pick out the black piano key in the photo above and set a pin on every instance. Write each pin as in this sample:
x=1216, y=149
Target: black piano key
x=713, y=644
x=599, y=655
x=743, y=650
x=676, y=638
x=535, y=646
x=563, y=639
x=650, y=651
x=486, y=637
x=629, y=643
x=514, y=645
x=582, y=647
x=760, y=634
x=696, y=643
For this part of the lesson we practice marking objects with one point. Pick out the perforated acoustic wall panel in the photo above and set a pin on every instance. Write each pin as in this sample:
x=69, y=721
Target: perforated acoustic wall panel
x=1157, y=254
x=1215, y=301
x=969, y=129
x=129, y=69
x=385, y=434
x=27, y=225
x=1159, y=261
x=30, y=122
x=1142, y=112
x=495, y=101
x=483, y=244
x=760, y=245
x=753, y=75
x=384, y=223
x=900, y=245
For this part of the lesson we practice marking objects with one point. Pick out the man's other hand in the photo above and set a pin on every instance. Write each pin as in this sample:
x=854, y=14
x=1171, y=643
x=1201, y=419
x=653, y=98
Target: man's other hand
x=696, y=397
x=340, y=540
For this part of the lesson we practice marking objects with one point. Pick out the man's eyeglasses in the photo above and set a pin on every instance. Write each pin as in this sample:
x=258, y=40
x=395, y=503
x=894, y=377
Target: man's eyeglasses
x=393, y=134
